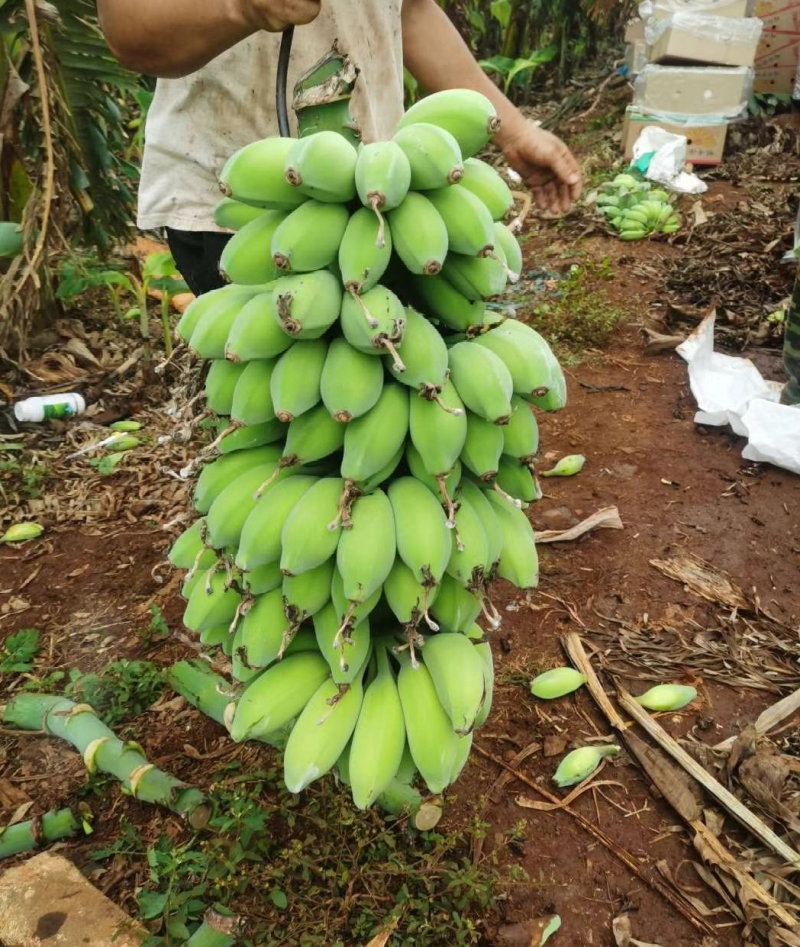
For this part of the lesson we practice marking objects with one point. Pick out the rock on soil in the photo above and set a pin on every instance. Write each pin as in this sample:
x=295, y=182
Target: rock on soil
x=46, y=902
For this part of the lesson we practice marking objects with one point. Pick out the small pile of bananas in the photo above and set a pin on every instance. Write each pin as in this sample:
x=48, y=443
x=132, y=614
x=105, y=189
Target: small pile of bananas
x=636, y=209
x=373, y=462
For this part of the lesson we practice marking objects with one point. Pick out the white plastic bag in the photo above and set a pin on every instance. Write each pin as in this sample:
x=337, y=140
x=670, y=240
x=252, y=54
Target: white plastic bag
x=669, y=157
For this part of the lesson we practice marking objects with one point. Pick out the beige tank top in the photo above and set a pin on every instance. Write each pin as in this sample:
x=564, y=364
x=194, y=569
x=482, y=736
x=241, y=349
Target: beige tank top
x=197, y=122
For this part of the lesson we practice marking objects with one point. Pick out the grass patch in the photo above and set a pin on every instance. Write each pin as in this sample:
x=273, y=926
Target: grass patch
x=313, y=872
x=122, y=690
x=575, y=313
x=20, y=480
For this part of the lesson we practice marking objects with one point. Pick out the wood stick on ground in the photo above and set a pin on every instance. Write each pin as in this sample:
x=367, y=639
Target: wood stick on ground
x=653, y=767
x=618, y=851
x=769, y=718
x=726, y=799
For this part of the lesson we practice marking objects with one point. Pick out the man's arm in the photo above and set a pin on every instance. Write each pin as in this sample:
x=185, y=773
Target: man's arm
x=170, y=38
x=439, y=59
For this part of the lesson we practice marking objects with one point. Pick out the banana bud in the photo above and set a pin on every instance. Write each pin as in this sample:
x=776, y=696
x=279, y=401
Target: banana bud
x=667, y=697
x=21, y=532
x=581, y=763
x=556, y=683
x=567, y=466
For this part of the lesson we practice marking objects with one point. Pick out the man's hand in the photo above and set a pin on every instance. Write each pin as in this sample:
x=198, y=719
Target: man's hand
x=275, y=15
x=546, y=165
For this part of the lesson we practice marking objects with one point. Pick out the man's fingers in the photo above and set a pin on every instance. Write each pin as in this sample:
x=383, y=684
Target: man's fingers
x=565, y=197
x=303, y=11
x=275, y=15
x=566, y=166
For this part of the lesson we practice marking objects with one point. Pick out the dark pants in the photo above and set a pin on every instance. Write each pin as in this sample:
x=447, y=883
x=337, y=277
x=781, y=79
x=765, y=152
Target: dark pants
x=791, y=347
x=197, y=257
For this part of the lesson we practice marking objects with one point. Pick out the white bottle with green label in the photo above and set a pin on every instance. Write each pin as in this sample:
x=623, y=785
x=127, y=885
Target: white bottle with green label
x=62, y=406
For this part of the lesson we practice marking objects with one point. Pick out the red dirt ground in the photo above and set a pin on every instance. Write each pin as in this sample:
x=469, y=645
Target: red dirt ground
x=89, y=592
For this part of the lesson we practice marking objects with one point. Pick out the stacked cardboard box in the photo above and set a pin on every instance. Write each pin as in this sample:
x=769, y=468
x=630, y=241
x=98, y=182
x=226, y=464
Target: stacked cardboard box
x=696, y=73
x=778, y=55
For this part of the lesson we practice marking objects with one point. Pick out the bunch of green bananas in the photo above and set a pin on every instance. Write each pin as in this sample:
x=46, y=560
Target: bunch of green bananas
x=636, y=209
x=373, y=462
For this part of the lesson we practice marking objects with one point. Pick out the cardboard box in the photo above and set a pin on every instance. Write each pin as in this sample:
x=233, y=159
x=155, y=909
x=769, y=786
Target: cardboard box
x=730, y=8
x=778, y=55
x=694, y=90
x=636, y=57
x=707, y=40
x=706, y=141
x=634, y=31
x=779, y=16
x=777, y=63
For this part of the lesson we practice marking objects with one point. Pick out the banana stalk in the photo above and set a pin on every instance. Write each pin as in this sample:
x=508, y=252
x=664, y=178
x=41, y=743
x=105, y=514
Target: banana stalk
x=322, y=97
x=220, y=928
x=209, y=692
x=102, y=750
x=33, y=834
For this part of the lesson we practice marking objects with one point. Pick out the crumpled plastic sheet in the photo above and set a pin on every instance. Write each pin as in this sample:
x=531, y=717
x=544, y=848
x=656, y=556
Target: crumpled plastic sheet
x=731, y=390
x=668, y=159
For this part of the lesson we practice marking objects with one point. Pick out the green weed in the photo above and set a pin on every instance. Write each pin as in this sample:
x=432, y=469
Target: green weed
x=313, y=874
x=157, y=629
x=121, y=691
x=20, y=480
x=18, y=652
x=576, y=314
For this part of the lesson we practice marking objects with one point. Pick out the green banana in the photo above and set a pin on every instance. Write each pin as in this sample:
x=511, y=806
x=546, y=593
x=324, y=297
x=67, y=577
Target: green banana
x=255, y=175
x=295, y=384
x=263, y=578
x=374, y=323
x=277, y=696
x=306, y=540
x=211, y=331
x=311, y=437
x=379, y=736
x=521, y=434
x=482, y=380
x=306, y=305
x=444, y=489
x=470, y=228
x=469, y=561
x=220, y=384
x=534, y=369
x=475, y=277
x=372, y=440
x=350, y=613
x=424, y=542
x=228, y=512
x=351, y=382
x=211, y=602
x=365, y=252
x=482, y=447
x=456, y=608
x=252, y=402
x=233, y=215
x=439, y=436
x=433, y=156
x=429, y=731
x=471, y=492
x=444, y=302
x=219, y=473
x=484, y=650
x=198, y=307
x=260, y=541
x=419, y=235
x=321, y=733
x=246, y=438
x=247, y=258
x=345, y=648
x=469, y=117
x=506, y=241
x=457, y=672
x=424, y=355
x=367, y=548
x=519, y=563
x=189, y=545
x=383, y=177
x=486, y=184
x=304, y=595
x=409, y=599
x=517, y=480
x=265, y=632
x=214, y=637
x=309, y=238
x=256, y=331
x=323, y=166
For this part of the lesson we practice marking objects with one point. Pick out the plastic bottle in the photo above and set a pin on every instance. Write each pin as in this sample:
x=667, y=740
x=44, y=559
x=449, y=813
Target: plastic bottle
x=65, y=405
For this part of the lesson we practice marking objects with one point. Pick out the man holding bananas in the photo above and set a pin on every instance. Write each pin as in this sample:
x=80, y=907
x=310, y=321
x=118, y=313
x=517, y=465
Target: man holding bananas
x=216, y=92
